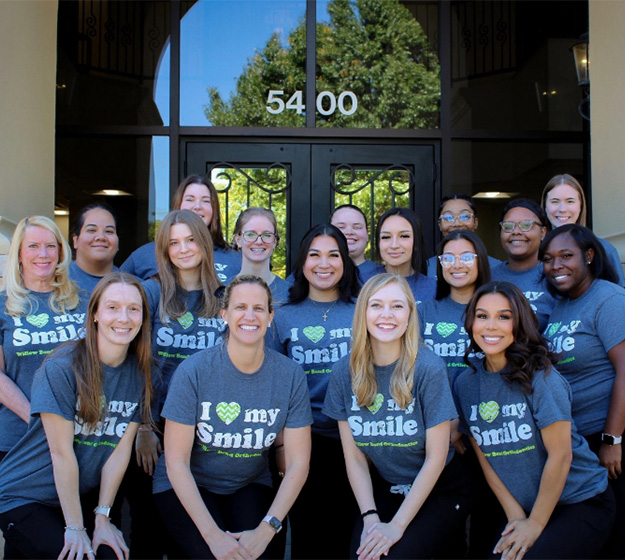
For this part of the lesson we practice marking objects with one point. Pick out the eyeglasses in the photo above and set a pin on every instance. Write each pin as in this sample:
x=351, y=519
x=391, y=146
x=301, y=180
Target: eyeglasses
x=252, y=236
x=450, y=218
x=448, y=260
x=524, y=225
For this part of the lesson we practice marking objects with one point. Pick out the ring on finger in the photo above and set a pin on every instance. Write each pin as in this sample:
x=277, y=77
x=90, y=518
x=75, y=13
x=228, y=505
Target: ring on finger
x=523, y=549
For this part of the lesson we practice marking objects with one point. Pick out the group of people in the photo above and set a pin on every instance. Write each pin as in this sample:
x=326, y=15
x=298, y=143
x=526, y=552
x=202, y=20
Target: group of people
x=375, y=404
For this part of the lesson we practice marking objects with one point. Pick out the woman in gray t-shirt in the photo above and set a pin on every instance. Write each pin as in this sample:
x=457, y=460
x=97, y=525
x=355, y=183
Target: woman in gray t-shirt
x=517, y=411
x=87, y=400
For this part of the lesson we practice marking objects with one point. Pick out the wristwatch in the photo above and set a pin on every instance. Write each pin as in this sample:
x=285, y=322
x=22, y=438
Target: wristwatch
x=273, y=522
x=609, y=439
x=104, y=510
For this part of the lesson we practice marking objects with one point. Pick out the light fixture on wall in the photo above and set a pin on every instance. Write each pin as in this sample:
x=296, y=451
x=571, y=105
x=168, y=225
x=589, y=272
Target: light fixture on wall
x=582, y=66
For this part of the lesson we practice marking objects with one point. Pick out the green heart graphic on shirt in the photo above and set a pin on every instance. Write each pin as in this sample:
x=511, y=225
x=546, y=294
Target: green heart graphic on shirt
x=186, y=320
x=38, y=321
x=489, y=411
x=445, y=329
x=553, y=329
x=228, y=412
x=314, y=334
x=377, y=403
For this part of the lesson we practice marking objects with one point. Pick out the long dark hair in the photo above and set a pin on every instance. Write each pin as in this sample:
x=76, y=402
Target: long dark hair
x=483, y=266
x=599, y=267
x=529, y=352
x=86, y=363
x=417, y=259
x=348, y=285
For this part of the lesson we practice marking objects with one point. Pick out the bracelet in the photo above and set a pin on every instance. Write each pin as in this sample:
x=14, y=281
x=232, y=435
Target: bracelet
x=103, y=510
x=70, y=528
x=369, y=512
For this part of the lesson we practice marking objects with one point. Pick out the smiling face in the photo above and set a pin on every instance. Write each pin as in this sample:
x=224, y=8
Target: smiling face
x=257, y=250
x=323, y=268
x=97, y=241
x=119, y=317
x=563, y=205
x=39, y=255
x=197, y=198
x=183, y=250
x=352, y=224
x=566, y=266
x=396, y=245
x=460, y=275
x=522, y=246
x=388, y=312
x=493, y=329
x=247, y=314
x=464, y=218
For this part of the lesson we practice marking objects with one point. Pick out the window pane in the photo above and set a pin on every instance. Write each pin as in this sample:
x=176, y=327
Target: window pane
x=135, y=169
x=377, y=64
x=233, y=54
x=108, y=56
x=511, y=65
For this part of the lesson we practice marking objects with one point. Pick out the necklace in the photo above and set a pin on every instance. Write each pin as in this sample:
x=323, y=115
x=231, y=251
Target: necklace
x=325, y=313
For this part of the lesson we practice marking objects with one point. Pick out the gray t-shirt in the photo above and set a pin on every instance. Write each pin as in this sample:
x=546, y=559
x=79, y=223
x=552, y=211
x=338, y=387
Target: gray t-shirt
x=506, y=425
x=533, y=284
x=85, y=281
x=582, y=331
x=142, y=263
x=394, y=439
x=177, y=339
x=422, y=286
x=615, y=260
x=300, y=333
x=441, y=322
x=26, y=341
x=26, y=473
x=236, y=416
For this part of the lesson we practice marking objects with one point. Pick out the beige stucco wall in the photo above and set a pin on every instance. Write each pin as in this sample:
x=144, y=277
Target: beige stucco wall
x=27, y=94
x=607, y=99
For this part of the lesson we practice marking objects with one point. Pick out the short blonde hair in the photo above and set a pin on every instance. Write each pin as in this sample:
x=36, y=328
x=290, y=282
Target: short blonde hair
x=364, y=382
x=65, y=292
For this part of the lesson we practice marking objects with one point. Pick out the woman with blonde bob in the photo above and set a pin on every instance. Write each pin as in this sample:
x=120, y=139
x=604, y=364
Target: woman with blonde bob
x=393, y=404
x=39, y=309
x=87, y=400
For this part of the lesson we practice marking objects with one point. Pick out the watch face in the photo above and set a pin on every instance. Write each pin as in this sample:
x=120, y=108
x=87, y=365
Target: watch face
x=274, y=523
x=610, y=439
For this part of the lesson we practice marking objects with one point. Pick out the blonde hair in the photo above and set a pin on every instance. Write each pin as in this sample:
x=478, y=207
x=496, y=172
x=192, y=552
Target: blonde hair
x=64, y=294
x=172, y=303
x=364, y=382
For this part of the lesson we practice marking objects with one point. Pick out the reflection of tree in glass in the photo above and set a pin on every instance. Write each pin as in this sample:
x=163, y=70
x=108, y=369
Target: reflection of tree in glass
x=246, y=187
x=374, y=192
x=373, y=48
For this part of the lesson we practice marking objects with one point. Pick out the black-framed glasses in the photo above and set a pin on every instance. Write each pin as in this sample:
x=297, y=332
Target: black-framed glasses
x=449, y=218
x=448, y=260
x=523, y=225
x=252, y=236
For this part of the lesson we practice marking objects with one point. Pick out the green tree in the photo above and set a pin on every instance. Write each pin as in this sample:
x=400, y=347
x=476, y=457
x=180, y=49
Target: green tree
x=373, y=48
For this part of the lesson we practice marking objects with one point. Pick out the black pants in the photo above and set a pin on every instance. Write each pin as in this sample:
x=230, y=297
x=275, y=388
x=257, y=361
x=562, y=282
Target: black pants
x=37, y=531
x=615, y=547
x=574, y=530
x=439, y=526
x=241, y=511
x=324, y=513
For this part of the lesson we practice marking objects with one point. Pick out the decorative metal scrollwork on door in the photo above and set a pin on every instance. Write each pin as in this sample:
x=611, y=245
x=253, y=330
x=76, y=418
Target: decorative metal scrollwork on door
x=241, y=186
